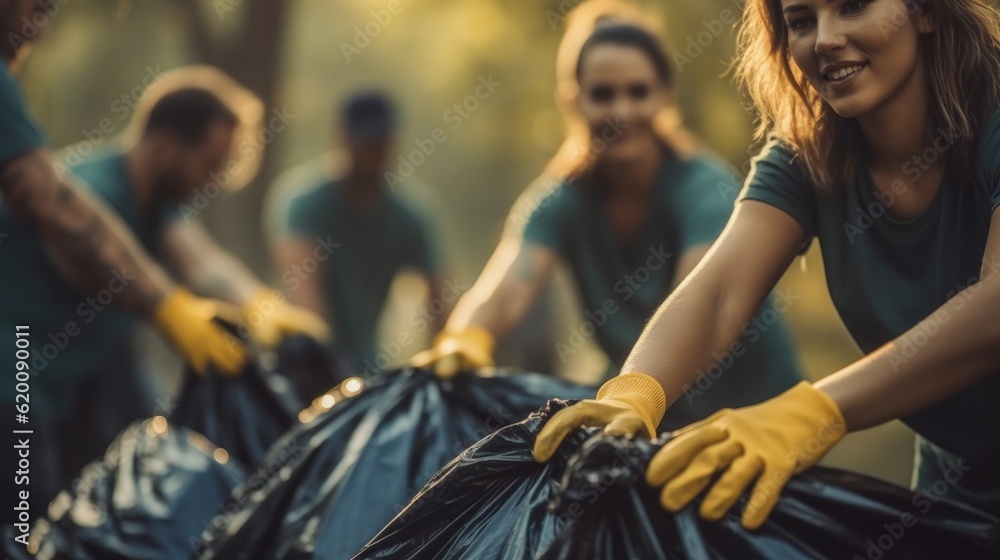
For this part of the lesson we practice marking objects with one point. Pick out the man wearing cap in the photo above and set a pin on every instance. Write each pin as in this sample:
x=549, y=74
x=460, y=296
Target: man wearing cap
x=355, y=232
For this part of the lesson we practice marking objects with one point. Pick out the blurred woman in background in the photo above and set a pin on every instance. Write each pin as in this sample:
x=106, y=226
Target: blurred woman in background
x=884, y=144
x=631, y=204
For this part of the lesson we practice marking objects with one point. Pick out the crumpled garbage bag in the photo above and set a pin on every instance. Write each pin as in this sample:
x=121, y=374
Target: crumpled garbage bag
x=244, y=414
x=591, y=501
x=147, y=499
x=312, y=367
x=161, y=480
x=329, y=485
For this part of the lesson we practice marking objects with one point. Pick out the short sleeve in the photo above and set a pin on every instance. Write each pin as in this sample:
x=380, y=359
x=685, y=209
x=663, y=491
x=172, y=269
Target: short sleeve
x=423, y=252
x=776, y=178
x=296, y=200
x=288, y=209
x=705, y=202
x=988, y=160
x=296, y=216
x=540, y=214
x=19, y=133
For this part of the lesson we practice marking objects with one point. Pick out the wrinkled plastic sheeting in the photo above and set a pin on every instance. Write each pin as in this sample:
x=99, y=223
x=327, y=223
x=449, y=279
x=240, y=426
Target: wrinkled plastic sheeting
x=244, y=414
x=311, y=367
x=328, y=486
x=148, y=498
x=160, y=482
x=591, y=501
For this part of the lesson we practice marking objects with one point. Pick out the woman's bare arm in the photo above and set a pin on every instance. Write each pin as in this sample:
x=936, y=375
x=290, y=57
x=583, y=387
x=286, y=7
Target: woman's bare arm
x=505, y=290
x=708, y=310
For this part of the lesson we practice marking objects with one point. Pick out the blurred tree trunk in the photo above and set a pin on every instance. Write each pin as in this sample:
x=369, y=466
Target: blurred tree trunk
x=252, y=55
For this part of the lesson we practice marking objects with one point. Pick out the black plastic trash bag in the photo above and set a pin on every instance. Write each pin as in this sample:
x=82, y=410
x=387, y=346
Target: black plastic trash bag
x=154, y=492
x=148, y=498
x=491, y=502
x=247, y=413
x=244, y=414
x=312, y=368
x=330, y=485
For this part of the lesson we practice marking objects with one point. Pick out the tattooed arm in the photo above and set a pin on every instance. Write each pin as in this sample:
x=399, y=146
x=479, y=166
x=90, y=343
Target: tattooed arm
x=86, y=240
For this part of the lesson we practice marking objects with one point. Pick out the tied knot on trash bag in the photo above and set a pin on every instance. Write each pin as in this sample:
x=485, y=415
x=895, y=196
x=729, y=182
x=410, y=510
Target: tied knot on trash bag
x=246, y=414
x=600, y=470
x=311, y=367
x=592, y=501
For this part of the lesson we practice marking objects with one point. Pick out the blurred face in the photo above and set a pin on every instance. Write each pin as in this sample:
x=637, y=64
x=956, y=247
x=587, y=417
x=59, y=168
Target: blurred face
x=859, y=55
x=620, y=95
x=15, y=15
x=370, y=157
x=185, y=169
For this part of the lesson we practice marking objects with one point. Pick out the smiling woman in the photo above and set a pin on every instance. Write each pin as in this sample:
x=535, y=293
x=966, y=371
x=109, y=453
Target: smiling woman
x=630, y=204
x=908, y=48
x=883, y=108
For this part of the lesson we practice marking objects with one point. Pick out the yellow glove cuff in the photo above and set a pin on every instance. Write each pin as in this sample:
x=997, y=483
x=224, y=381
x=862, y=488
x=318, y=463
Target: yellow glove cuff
x=641, y=392
x=818, y=405
x=473, y=336
x=265, y=295
x=172, y=309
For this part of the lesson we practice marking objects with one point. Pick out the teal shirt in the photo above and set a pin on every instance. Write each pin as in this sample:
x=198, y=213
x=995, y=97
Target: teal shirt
x=71, y=332
x=885, y=276
x=622, y=285
x=19, y=134
x=363, y=251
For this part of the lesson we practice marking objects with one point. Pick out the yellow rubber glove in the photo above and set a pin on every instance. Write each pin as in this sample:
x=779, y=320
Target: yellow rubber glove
x=187, y=321
x=453, y=352
x=769, y=442
x=625, y=405
x=271, y=318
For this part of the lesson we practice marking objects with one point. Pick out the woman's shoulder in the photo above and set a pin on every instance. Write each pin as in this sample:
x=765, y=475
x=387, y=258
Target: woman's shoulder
x=704, y=168
x=778, y=163
x=548, y=201
x=548, y=191
x=778, y=150
x=701, y=180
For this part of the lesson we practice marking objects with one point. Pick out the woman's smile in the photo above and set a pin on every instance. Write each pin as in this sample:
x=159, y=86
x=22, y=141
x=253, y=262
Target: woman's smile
x=842, y=75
